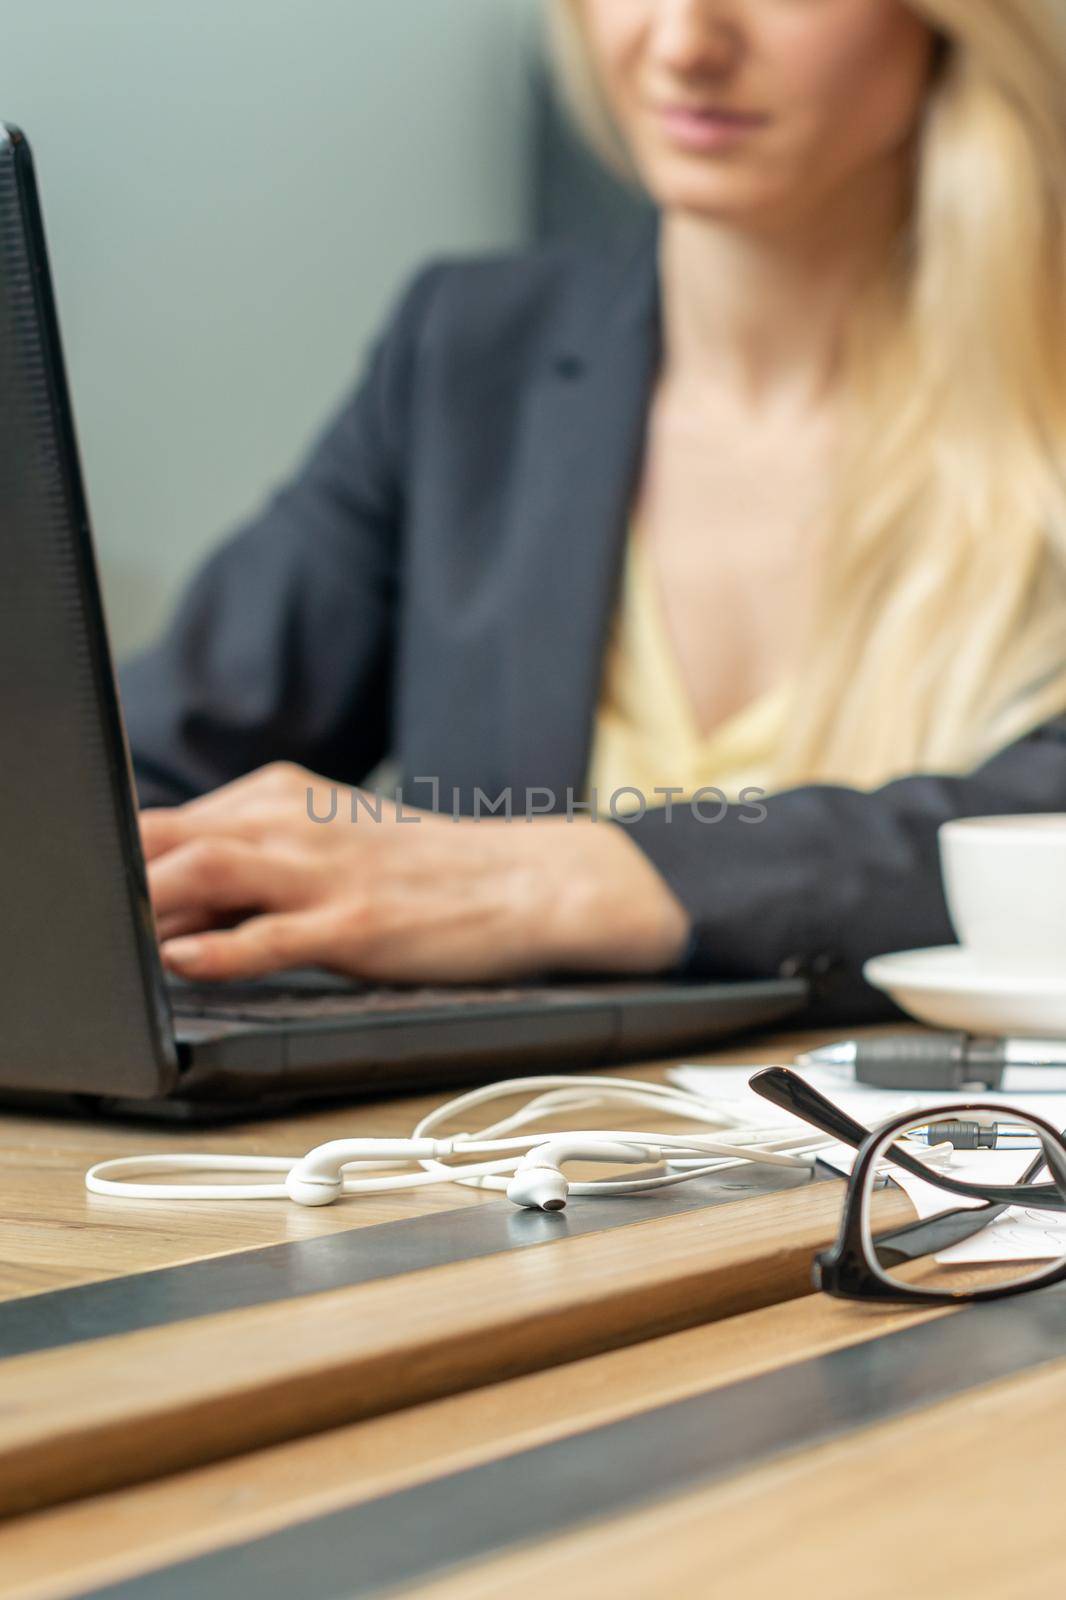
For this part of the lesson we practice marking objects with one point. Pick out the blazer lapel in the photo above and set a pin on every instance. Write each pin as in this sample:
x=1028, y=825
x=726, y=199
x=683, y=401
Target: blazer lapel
x=582, y=455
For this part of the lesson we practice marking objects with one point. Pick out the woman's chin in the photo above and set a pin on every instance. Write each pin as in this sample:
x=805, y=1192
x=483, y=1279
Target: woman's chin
x=719, y=195
x=747, y=209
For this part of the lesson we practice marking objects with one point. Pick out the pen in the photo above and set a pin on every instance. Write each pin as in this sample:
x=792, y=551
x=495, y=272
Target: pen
x=951, y=1061
x=972, y=1135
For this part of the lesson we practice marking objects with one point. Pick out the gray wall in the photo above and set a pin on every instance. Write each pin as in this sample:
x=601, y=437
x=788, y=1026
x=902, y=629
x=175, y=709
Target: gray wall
x=233, y=191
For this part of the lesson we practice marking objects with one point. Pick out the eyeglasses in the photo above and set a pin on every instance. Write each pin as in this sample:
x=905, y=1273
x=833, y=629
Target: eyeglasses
x=940, y=1259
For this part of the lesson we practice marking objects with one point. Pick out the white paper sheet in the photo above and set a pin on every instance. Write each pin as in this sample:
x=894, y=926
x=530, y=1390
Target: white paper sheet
x=1020, y=1234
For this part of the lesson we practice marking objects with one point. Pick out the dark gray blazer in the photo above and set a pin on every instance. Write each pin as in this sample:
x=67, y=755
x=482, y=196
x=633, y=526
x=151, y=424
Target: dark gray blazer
x=436, y=585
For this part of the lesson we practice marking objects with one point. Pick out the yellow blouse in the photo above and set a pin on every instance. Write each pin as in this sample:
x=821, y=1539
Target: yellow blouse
x=646, y=736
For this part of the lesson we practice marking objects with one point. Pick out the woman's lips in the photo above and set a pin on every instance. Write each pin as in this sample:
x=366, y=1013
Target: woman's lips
x=707, y=130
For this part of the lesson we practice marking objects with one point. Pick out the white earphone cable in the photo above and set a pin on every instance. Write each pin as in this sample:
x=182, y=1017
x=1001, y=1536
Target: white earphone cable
x=527, y=1165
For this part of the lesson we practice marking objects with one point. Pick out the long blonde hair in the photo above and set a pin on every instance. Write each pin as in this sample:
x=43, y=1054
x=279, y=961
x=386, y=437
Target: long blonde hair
x=939, y=634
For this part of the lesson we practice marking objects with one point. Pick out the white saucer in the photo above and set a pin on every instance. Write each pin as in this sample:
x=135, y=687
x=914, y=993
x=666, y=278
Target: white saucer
x=944, y=986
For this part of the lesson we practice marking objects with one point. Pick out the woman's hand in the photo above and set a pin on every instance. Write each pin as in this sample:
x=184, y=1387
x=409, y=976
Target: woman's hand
x=244, y=882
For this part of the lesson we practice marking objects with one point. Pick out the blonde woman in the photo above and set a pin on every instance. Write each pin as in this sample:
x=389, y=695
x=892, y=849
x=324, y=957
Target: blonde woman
x=771, y=502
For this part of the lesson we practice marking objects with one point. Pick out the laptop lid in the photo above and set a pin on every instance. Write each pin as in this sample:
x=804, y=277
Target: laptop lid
x=82, y=1002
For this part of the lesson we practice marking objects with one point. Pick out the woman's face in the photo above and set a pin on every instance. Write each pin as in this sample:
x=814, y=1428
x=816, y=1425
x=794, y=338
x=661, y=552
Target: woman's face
x=828, y=87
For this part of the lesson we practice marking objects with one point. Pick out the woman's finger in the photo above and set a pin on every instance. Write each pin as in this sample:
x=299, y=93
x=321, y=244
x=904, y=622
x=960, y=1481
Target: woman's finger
x=163, y=831
x=256, y=947
x=278, y=790
x=243, y=811
x=223, y=874
x=176, y=923
x=162, y=828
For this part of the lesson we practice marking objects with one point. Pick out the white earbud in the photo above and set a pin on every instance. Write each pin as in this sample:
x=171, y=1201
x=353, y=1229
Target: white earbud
x=538, y=1187
x=318, y=1179
x=538, y=1182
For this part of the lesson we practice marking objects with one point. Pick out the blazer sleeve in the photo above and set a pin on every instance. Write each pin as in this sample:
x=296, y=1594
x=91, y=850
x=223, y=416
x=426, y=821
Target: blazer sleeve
x=281, y=646
x=831, y=876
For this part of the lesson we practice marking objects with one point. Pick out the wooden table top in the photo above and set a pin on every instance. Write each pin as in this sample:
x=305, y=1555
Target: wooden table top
x=122, y=1454
x=952, y=1500
x=961, y=1499
x=67, y=1549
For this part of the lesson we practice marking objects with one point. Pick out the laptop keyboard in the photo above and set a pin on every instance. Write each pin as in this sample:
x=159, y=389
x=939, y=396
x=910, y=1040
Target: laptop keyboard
x=303, y=1001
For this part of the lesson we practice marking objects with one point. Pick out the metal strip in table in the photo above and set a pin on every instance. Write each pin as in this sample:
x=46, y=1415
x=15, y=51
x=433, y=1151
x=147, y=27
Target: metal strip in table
x=384, y=1545
x=272, y=1273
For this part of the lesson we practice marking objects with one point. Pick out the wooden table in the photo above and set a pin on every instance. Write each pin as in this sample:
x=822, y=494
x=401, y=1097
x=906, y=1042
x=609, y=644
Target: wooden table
x=202, y=1434
x=952, y=1500
x=91, y=1542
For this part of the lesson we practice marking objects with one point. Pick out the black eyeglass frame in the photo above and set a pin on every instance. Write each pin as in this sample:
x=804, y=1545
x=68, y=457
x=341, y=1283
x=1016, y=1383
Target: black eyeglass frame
x=853, y=1268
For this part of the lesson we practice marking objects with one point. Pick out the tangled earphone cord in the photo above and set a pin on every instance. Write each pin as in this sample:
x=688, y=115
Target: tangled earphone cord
x=525, y=1165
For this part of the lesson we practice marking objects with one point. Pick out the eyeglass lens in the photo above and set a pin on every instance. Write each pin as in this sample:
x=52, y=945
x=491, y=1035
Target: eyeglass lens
x=956, y=1252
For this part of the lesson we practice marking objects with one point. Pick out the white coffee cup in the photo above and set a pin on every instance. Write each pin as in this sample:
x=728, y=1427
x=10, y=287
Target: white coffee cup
x=1005, y=884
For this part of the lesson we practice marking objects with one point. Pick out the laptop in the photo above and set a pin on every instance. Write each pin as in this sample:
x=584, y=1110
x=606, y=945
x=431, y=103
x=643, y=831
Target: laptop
x=89, y=1018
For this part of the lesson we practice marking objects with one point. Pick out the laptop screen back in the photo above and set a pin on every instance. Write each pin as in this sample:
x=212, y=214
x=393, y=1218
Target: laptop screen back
x=82, y=1006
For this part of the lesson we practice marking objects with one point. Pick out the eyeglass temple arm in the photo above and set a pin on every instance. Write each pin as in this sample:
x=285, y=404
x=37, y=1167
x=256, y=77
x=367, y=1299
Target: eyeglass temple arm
x=787, y=1090
x=790, y=1092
